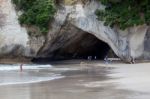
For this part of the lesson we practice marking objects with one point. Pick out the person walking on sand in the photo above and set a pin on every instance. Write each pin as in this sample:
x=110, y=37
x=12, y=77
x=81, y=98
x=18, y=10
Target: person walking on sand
x=132, y=60
x=21, y=69
x=95, y=57
x=106, y=60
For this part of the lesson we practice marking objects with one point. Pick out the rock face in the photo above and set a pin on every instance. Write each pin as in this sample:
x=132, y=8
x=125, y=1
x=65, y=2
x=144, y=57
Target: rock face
x=147, y=45
x=75, y=31
x=13, y=38
x=126, y=44
x=71, y=42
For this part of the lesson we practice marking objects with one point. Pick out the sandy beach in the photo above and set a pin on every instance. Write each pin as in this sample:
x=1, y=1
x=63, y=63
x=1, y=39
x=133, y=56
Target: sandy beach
x=76, y=79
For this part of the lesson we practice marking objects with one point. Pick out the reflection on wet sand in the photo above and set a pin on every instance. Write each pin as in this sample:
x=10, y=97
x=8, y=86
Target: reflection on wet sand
x=86, y=82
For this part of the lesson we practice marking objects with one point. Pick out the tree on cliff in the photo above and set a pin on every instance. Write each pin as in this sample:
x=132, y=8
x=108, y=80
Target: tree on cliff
x=36, y=13
x=125, y=13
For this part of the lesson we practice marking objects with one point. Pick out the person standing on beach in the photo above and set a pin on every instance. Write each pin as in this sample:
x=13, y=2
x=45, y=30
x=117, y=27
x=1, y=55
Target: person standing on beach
x=106, y=60
x=21, y=69
x=132, y=60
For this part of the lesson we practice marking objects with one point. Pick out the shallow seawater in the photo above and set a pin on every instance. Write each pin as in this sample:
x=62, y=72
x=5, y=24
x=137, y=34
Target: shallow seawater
x=70, y=80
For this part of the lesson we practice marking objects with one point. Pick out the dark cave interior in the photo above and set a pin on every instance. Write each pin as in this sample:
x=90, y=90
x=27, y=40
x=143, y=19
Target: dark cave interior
x=85, y=48
x=82, y=48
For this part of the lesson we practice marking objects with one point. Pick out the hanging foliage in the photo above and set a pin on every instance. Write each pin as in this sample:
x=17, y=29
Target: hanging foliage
x=36, y=12
x=125, y=13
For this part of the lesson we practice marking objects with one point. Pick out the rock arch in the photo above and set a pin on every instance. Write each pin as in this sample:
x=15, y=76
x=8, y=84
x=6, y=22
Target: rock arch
x=126, y=44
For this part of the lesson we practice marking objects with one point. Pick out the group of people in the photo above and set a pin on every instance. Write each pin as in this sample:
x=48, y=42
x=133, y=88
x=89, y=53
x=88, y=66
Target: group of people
x=90, y=57
x=95, y=57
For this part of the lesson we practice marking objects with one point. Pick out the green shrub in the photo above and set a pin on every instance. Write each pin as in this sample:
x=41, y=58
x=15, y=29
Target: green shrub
x=36, y=12
x=125, y=13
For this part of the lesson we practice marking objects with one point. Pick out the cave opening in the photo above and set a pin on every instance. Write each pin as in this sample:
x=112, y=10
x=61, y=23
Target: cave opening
x=84, y=46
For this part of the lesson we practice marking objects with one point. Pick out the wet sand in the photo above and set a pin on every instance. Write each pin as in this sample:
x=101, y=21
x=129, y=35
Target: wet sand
x=78, y=80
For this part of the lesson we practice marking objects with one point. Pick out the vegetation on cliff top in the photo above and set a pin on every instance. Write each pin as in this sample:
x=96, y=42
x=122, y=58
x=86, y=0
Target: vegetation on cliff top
x=125, y=13
x=36, y=13
x=122, y=13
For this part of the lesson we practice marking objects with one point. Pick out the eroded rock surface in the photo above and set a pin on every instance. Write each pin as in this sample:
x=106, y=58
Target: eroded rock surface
x=75, y=30
x=13, y=38
x=126, y=44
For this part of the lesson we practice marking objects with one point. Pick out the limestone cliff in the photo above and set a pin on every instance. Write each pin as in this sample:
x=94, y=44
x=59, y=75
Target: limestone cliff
x=75, y=31
x=13, y=38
